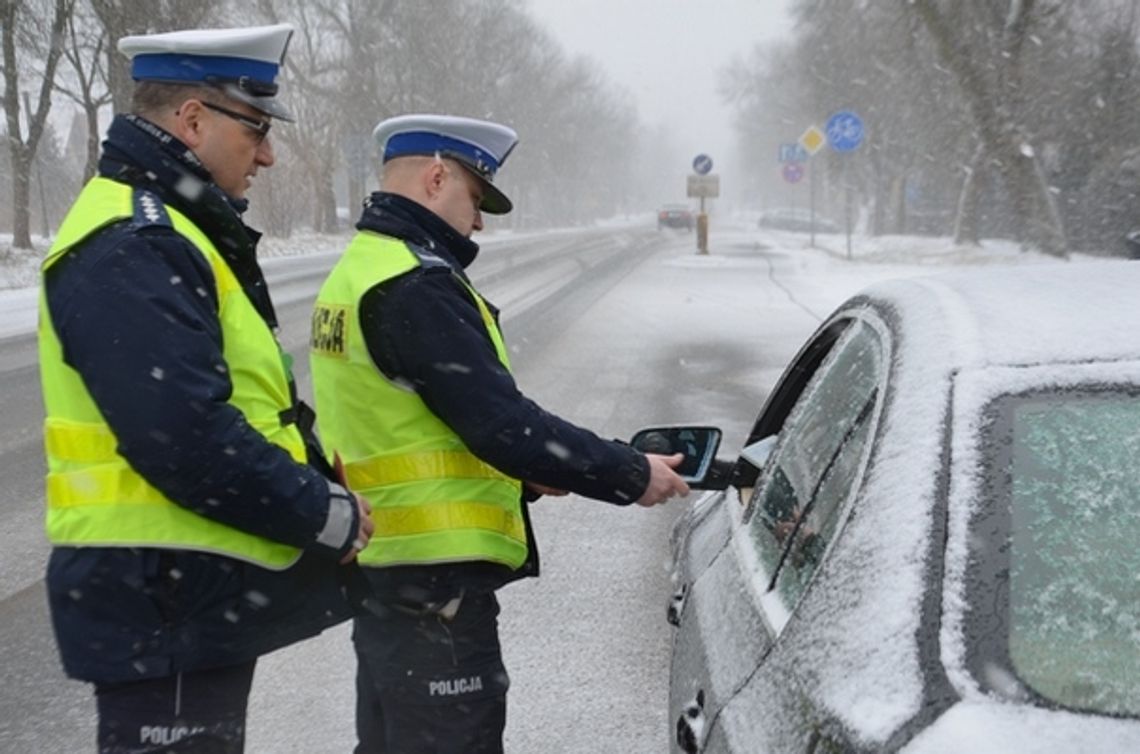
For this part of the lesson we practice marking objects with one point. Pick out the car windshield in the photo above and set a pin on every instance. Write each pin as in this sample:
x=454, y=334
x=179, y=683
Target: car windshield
x=1070, y=481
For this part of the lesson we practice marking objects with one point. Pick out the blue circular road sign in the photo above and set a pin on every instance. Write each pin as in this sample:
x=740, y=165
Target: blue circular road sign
x=844, y=131
x=702, y=164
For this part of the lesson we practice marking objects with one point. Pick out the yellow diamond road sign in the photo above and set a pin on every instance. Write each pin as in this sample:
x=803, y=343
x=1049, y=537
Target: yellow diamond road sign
x=812, y=139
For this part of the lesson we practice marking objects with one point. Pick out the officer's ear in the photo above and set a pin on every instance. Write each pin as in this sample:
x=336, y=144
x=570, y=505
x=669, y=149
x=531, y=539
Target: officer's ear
x=435, y=175
x=189, y=122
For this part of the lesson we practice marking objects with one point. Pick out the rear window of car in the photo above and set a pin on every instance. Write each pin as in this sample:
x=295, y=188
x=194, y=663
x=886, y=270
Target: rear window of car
x=1057, y=559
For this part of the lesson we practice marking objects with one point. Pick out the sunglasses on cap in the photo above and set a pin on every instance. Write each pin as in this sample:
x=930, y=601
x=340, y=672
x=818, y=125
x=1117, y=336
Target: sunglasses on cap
x=246, y=84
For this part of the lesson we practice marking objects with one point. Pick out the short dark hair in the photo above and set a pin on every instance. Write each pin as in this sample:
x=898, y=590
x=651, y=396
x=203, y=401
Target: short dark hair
x=151, y=97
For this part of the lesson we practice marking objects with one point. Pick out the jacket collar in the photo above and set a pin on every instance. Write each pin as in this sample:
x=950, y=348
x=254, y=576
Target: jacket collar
x=142, y=154
x=408, y=220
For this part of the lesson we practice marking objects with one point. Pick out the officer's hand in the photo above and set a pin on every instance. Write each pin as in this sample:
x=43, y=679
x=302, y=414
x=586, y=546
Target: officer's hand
x=363, y=531
x=542, y=489
x=664, y=483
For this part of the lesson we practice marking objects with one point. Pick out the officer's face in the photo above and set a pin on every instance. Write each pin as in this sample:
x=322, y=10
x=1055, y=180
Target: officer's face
x=233, y=146
x=459, y=200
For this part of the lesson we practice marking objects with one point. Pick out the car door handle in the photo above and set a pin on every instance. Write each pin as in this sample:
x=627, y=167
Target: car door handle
x=676, y=605
x=691, y=725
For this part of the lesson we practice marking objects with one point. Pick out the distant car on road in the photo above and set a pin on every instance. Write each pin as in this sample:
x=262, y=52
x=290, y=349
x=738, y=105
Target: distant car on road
x=675, y=216
x=928, y=542
x=795, y=219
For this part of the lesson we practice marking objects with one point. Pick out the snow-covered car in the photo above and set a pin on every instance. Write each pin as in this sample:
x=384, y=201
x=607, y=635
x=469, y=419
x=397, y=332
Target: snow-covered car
x=930, y=541
x=795, y=219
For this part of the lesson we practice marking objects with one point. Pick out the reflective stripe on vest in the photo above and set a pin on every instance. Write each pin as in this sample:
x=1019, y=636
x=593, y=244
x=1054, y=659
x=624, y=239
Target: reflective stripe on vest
x=433, y=501
x=94, y=498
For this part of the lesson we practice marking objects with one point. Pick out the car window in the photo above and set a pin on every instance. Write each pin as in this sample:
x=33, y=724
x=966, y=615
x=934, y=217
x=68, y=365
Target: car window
x=1067, y=485
x=793, y=512
x=822, y=517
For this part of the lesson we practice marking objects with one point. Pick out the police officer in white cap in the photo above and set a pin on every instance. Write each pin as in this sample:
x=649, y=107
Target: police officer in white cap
x=190, y=532
x=414, y=389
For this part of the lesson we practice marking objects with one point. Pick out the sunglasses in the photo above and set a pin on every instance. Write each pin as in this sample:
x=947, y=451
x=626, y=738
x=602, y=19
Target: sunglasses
x=259, y=127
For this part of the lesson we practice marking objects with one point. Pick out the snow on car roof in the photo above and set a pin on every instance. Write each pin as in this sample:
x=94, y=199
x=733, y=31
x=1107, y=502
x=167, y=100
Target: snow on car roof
x=1028, y=314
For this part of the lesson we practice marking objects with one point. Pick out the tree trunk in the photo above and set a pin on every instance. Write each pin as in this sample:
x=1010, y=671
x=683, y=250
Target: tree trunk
x=326, y=219
x=119, y=80
x=880, y=195
x=356, y=193
x=21, y=191
x=1049, y=209
x=1004, y=140
x=966, y=223
x=898, y=205
x=1033, y=204
x=91, y=165
x=23, y=150
x=115, y=20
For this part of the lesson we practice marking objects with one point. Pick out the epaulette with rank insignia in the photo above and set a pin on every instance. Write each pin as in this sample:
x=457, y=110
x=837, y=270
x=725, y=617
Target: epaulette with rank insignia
x=149, y=210
x=427, y=257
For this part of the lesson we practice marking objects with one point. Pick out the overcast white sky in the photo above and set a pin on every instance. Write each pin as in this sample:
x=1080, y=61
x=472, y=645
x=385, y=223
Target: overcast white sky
x=669, y=54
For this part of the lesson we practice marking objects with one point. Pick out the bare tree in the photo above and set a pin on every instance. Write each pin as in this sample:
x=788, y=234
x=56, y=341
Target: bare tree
x=86, y=44
x=353, y=63
x=23, y=25
x=1093, y=134
x=995, y=114
x=987, y=65
x=576, y=159
x=863, y=57
x=121, y=18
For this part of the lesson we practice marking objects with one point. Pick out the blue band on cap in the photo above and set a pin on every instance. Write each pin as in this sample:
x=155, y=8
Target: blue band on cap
x=424, y=142
x=169, y=66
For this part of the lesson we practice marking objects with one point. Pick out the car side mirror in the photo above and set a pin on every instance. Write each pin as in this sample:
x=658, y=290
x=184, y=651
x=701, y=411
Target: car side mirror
x=698, y=445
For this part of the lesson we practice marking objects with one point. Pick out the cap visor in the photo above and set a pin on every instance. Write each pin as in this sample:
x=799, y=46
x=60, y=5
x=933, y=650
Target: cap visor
x=268, y=105
x=495, y=202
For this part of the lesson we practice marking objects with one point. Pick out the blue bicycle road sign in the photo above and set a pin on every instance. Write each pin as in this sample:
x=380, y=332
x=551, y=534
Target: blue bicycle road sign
x=844, y=131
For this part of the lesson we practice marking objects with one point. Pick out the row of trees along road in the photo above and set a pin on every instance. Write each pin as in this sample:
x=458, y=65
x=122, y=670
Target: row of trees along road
x=350, y=64
x=1016, y=118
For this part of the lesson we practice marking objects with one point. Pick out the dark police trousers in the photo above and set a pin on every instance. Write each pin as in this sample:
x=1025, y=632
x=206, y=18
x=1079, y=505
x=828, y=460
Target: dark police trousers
x=199, y=712
x=430, y=680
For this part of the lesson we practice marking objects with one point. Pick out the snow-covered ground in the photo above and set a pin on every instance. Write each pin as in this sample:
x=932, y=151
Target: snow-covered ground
x=880, y=256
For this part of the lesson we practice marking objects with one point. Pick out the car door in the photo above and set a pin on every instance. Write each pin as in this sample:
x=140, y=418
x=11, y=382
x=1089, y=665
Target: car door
x=785, y=510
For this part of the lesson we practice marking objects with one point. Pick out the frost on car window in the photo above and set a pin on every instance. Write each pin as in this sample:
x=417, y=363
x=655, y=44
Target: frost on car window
x=1074, y=557
x=816, y=462
x=822, y=518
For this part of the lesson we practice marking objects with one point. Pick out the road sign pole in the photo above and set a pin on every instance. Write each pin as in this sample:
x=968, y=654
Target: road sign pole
x=811, y=141
x=847, y=202
x=845, y=134
x=702, y=230
x=703, y=184
x=811, y=204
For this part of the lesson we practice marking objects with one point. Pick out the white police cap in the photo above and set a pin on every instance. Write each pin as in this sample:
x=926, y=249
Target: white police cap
x=242, y=62
x=479, y=145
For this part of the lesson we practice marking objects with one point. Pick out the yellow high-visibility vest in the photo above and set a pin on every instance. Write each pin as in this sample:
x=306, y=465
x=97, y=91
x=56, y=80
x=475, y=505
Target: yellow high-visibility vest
x=433, y=501
x=94, y=498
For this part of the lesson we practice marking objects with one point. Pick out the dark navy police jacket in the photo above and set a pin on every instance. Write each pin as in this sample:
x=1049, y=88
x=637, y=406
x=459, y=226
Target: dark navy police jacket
x=132, y=298
x=425, y=319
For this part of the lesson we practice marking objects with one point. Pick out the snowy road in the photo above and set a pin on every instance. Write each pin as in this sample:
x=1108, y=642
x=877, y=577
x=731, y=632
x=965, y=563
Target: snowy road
x=614, y=330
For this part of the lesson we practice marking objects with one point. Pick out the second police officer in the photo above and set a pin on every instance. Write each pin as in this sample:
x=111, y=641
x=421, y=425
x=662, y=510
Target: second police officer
x=415, y=395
